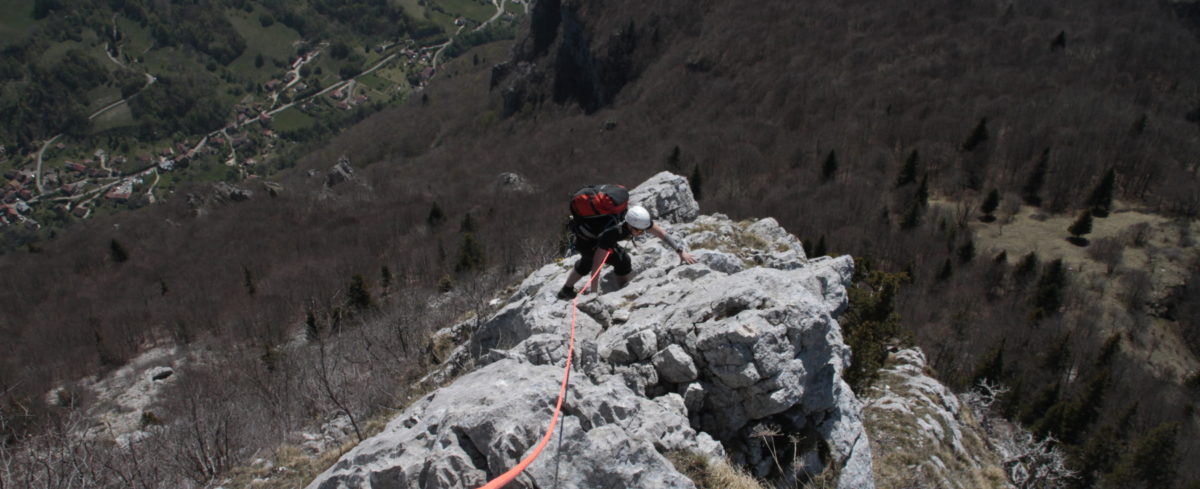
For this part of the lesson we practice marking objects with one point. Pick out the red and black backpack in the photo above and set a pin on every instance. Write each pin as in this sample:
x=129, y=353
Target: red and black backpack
x=595, y=208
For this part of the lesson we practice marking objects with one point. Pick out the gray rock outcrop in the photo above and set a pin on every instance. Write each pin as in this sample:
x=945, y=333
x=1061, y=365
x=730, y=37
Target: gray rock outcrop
x=339, y=173
x=684, y=358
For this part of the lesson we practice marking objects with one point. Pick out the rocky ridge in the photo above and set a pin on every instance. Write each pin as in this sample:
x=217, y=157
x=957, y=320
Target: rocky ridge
x=684, y=358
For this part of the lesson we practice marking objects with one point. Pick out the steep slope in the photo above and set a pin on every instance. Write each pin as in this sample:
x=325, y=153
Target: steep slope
x=742, y=343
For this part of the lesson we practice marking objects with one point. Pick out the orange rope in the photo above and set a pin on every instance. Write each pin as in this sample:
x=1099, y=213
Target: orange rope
x=512, y=473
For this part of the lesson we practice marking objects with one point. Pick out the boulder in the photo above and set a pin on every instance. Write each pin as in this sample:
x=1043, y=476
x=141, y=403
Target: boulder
x=339, y=173
x=668, y=198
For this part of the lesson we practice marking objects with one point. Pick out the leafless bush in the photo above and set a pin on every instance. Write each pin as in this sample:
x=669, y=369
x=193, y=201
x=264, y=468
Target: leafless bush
x=1109, y=251
x=1136, y=286
x=1137, y=235
x=1027, y=461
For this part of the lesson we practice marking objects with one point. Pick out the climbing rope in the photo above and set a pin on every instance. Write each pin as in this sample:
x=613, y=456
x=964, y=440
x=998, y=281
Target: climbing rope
x=512, y=473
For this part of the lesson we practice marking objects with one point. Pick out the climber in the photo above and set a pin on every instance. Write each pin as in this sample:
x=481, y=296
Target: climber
x=593, y=244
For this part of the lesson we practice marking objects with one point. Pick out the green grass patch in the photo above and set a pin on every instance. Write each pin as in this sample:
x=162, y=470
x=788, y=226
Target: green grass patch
x=16, y=20
x=374, y=82
x=115, y=118
x=102, y=96
x=476, y=10
x=412, y=7
x=292, y=119
x=274, y=42
x=136, y=37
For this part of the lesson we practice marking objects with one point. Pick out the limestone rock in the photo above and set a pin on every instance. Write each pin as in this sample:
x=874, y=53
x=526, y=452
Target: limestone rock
x=684, y=357
x=512, y=182
x=340, y=172
x=668, y=198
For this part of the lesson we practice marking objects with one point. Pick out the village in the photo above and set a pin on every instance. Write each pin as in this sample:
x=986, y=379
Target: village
x=79, y=182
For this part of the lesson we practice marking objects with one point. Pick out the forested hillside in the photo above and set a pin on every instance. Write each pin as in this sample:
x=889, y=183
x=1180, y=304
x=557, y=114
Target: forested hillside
x=108, y=106
x=952, y=146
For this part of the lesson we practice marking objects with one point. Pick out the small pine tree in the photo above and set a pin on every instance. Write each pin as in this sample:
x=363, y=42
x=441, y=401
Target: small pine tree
x=990, y=203
x=385, y=278
x=978, y=136
x=820, y=249
x=1031, y=192
x=908, y=173
x=1102, y=196
x=312, y=330
x=946, y=271
x=673, y=159
x=830, y=167
x=358, y=296
x=467, y=225
x=445, y=284
x=470, y=255
x=248, y=282
x=1027, y=267
x=1082, y=225
x=1153, y=460
x=922, y=195
x=696, y=183
x=966, y=252
x=1059, y=42
x=1139, y=126
x=991, y=368
x=436, y=216
x=1037, y=407
x=117, y=251
x=1048, y=297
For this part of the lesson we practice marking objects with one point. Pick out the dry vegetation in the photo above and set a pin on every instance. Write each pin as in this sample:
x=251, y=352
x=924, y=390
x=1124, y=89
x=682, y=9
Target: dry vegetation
x=810, y=121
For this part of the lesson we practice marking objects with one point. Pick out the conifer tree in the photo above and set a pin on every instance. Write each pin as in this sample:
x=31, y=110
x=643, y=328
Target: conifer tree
x=358, y=296
x=820, y=249
x=385, y=278
x=830, y=167
x=436, y=216
x=696, y=182
x=673, y=159
x=1037, y=407
x=1060, y=41
x=990, y=204
x=991, y=368
x=1152, y=462
x=1027, y=266
x=946, y=271
x=1031, y=192
x=248, y=282
x=312, y=330
x=978, y=136
x=1102, y=196
x=467, y=225
x=1081, y=226
x=922, y=194
x=470, y=255
x=966, y=252
x=908, y=173
x=1048, y=297
x=117, y=251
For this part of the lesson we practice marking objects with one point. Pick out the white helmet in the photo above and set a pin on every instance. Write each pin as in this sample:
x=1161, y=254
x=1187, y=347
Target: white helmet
x=638, y=217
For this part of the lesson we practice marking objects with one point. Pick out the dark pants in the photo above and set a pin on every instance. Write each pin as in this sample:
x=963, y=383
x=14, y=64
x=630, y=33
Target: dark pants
x=619, y=259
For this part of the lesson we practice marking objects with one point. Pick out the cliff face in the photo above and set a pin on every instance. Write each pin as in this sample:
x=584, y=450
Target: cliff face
x=574, y=53
x=703, y=358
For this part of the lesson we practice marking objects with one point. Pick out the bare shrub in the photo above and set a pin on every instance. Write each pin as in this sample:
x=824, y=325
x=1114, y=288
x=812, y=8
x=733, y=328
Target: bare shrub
x=1137, y=235
x=1136, y=286
x=1109, y=251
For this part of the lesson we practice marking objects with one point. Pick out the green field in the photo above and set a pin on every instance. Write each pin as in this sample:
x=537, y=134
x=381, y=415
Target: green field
x=16, y=19
x=476, y=10
x=274, y=43
x=291, y=119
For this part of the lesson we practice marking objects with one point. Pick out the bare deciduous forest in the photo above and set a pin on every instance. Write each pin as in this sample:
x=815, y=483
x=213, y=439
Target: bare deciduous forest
x=866, y=129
